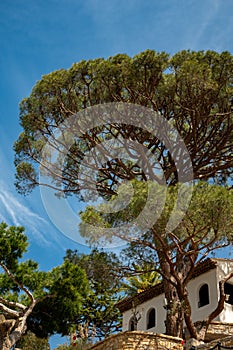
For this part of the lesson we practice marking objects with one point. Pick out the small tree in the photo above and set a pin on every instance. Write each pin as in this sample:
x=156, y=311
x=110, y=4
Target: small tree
x=99, y=317
x=24, y=291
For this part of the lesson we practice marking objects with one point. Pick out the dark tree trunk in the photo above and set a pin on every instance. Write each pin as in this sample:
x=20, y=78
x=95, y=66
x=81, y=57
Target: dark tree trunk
x=174, y=318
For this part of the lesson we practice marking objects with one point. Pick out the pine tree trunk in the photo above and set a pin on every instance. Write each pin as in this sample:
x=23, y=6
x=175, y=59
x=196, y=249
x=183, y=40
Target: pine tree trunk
x=175, y=317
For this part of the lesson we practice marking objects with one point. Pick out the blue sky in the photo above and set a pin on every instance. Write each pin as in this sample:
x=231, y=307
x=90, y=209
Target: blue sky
x=38, y=37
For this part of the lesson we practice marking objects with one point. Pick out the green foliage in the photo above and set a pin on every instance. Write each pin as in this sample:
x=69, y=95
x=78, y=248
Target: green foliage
x=193, y=90
x=79, y=293
x=144, y=278
x=68, y=285
x=13, y=243
x=205, y=227
x=99, y=316
x=210, y=211
x=26, y=274
x=58, y=293
x=102, y=268
x=31, y=342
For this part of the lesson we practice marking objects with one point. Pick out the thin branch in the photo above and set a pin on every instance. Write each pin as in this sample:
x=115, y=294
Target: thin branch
x=10, y=312
x=21, y=286
x=12, y=304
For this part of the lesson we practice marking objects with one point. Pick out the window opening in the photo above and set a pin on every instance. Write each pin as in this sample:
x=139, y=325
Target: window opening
x=204, y=295
x=228, y=290
x=151, y=319
x=132, y=324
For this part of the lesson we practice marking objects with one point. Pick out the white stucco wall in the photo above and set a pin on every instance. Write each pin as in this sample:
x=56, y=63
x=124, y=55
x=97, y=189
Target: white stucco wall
x=223, y=269
x=193, y=290
x=211, y=278
x=143, y=309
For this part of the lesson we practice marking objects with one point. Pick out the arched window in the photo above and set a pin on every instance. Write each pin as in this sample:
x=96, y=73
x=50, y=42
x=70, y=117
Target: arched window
x=204, y=295
x=132, y=324
x=151, y=316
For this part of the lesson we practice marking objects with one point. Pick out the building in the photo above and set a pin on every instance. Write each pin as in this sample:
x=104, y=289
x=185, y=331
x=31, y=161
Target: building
x=150, y=306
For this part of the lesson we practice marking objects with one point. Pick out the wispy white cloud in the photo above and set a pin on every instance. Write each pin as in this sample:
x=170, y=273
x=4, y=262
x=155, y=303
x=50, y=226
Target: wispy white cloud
x=8, y=208
x=14, y=212
x=132, y=26
x=207, y=13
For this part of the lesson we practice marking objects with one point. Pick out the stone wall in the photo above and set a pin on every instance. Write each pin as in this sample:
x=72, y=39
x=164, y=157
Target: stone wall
x=225, y=342
x=219, y=330
x=137, y=340
x=216, y=332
